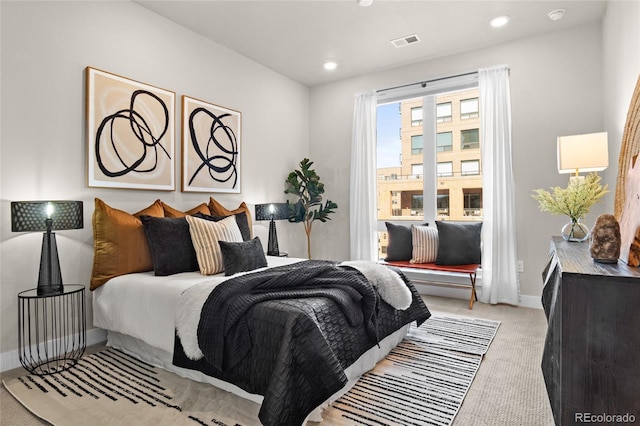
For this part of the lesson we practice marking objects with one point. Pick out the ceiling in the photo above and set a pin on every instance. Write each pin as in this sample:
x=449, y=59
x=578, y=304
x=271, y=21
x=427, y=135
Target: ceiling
x=295, y=38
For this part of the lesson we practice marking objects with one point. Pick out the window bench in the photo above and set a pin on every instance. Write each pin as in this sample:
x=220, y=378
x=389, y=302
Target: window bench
x=470, y=270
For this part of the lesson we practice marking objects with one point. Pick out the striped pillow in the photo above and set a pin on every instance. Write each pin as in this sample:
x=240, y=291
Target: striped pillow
x=425, y=244
x=205, y=235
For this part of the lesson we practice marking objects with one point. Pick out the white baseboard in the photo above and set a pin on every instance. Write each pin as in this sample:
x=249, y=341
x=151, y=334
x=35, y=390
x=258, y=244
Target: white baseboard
x=534, y=302
x=526, y=301
x=10, y=360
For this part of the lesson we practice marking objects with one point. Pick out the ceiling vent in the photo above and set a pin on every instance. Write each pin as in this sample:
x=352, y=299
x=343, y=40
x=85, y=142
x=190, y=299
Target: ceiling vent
x=404, y=41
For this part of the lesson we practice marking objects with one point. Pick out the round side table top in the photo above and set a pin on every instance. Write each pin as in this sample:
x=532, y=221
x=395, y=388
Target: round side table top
x=66, y=289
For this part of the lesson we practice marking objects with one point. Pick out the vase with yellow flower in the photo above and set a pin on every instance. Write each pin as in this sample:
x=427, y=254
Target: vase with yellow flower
x=574, y=201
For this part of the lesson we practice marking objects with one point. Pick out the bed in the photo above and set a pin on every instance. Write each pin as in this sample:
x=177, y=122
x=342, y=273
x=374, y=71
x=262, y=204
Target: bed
x=298, y=353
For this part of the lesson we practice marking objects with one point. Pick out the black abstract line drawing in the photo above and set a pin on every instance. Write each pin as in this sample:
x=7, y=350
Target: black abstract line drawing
x=220, y=156
x=141, y=131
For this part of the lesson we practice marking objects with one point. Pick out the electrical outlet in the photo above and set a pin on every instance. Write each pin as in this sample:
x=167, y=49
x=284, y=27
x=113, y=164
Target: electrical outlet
x=520, y=265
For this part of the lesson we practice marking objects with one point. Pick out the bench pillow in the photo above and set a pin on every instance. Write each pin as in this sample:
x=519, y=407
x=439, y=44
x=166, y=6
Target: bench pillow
x=400, y=245
x=459, y=243
x=425, y=244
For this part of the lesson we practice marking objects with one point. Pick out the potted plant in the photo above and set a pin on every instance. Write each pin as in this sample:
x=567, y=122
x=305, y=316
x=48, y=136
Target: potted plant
x=305, y=184
x=574, y=201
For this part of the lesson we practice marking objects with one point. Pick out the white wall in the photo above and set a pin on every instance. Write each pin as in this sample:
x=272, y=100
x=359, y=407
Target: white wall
x=621, y=70
x=45, y=49
x=556, y=89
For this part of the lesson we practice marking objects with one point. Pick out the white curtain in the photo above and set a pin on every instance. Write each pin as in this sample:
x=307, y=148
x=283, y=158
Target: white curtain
x=362, y=199
x=499, y=253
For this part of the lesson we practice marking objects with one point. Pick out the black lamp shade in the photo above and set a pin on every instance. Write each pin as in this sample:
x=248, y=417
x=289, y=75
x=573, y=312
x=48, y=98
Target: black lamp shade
x=275, y=211
x=31, y=216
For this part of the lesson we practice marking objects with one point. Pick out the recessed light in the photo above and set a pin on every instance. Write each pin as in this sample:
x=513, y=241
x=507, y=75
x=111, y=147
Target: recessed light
x=365, y=3
x=499, y=21
x=556, y=15
x=330, y=65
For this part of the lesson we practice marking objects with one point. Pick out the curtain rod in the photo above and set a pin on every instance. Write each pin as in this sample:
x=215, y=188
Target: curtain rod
x=424, y=83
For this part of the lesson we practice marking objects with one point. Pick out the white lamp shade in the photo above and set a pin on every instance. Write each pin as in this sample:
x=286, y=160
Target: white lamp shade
x=583, y=153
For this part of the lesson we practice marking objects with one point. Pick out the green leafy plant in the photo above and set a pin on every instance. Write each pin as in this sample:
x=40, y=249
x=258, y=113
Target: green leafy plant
x=305, y=184
x=575, y=200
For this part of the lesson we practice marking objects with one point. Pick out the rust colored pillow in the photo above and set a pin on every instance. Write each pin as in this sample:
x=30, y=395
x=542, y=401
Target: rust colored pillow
x=171, y=212
x=120, y=245
x=217, y=209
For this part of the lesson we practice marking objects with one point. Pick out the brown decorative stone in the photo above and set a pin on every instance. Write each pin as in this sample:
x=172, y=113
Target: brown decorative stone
x=634, y=250
x=605, y=239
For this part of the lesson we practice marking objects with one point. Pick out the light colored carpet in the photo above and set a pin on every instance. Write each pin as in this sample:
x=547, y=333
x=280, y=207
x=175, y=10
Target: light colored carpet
x=508, y=388
x=424, y=379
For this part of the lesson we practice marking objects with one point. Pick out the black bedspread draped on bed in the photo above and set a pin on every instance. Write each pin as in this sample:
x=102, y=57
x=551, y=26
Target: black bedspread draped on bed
x=289, y=332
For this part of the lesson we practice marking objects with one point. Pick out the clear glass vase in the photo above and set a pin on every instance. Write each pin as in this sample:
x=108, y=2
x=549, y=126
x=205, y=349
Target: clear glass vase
x=575, y=231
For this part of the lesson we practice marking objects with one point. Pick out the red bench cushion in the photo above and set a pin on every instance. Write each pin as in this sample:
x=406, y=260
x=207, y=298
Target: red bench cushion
x=465, y=269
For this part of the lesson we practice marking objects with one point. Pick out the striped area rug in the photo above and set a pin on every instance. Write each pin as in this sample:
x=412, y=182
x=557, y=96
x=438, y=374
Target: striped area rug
x=468, y=335
x=421, y=382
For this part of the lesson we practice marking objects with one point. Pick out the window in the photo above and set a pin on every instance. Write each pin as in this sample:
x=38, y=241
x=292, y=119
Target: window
x=470, y=138
x=444, y=141
x=416, y=202
x=468, y=108
x=442, y=203
x=416, y=144
x=473, y=203
x=429, y=169
x=470, y=167
x=416, y=116
x=445, y=169
x=443, y=112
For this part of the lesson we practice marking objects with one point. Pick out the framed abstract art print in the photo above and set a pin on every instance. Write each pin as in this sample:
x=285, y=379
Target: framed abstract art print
x=211, y=137
x=130, y=133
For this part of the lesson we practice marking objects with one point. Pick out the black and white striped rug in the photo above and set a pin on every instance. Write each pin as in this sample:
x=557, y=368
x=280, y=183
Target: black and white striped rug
x=421, y=382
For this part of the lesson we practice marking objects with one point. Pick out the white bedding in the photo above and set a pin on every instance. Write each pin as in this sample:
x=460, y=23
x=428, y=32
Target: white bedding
x=144, y=306
x=139, y=310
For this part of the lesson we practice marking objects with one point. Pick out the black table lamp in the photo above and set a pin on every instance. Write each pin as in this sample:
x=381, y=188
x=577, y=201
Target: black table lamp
x=272, y=212
x=32, y=216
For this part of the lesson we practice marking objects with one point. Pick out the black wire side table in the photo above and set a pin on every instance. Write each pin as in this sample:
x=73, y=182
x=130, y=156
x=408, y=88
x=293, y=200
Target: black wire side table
x=52, y=329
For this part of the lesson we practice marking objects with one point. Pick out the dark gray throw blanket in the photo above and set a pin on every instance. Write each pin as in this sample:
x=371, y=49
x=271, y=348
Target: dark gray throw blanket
x=223, y=334
x=291, y=331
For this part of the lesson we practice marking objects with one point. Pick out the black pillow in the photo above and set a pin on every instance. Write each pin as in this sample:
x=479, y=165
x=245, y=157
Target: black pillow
x=170, y=244
x=458, y=243
x=244, y=256
x=400, y=245
x=241, y=220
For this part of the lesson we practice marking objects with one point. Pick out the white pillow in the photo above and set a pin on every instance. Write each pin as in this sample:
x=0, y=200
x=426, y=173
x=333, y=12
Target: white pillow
x=425, y=244
x=205, y=235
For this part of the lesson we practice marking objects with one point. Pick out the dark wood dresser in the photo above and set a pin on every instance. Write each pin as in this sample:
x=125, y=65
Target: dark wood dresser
x=591, y=358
